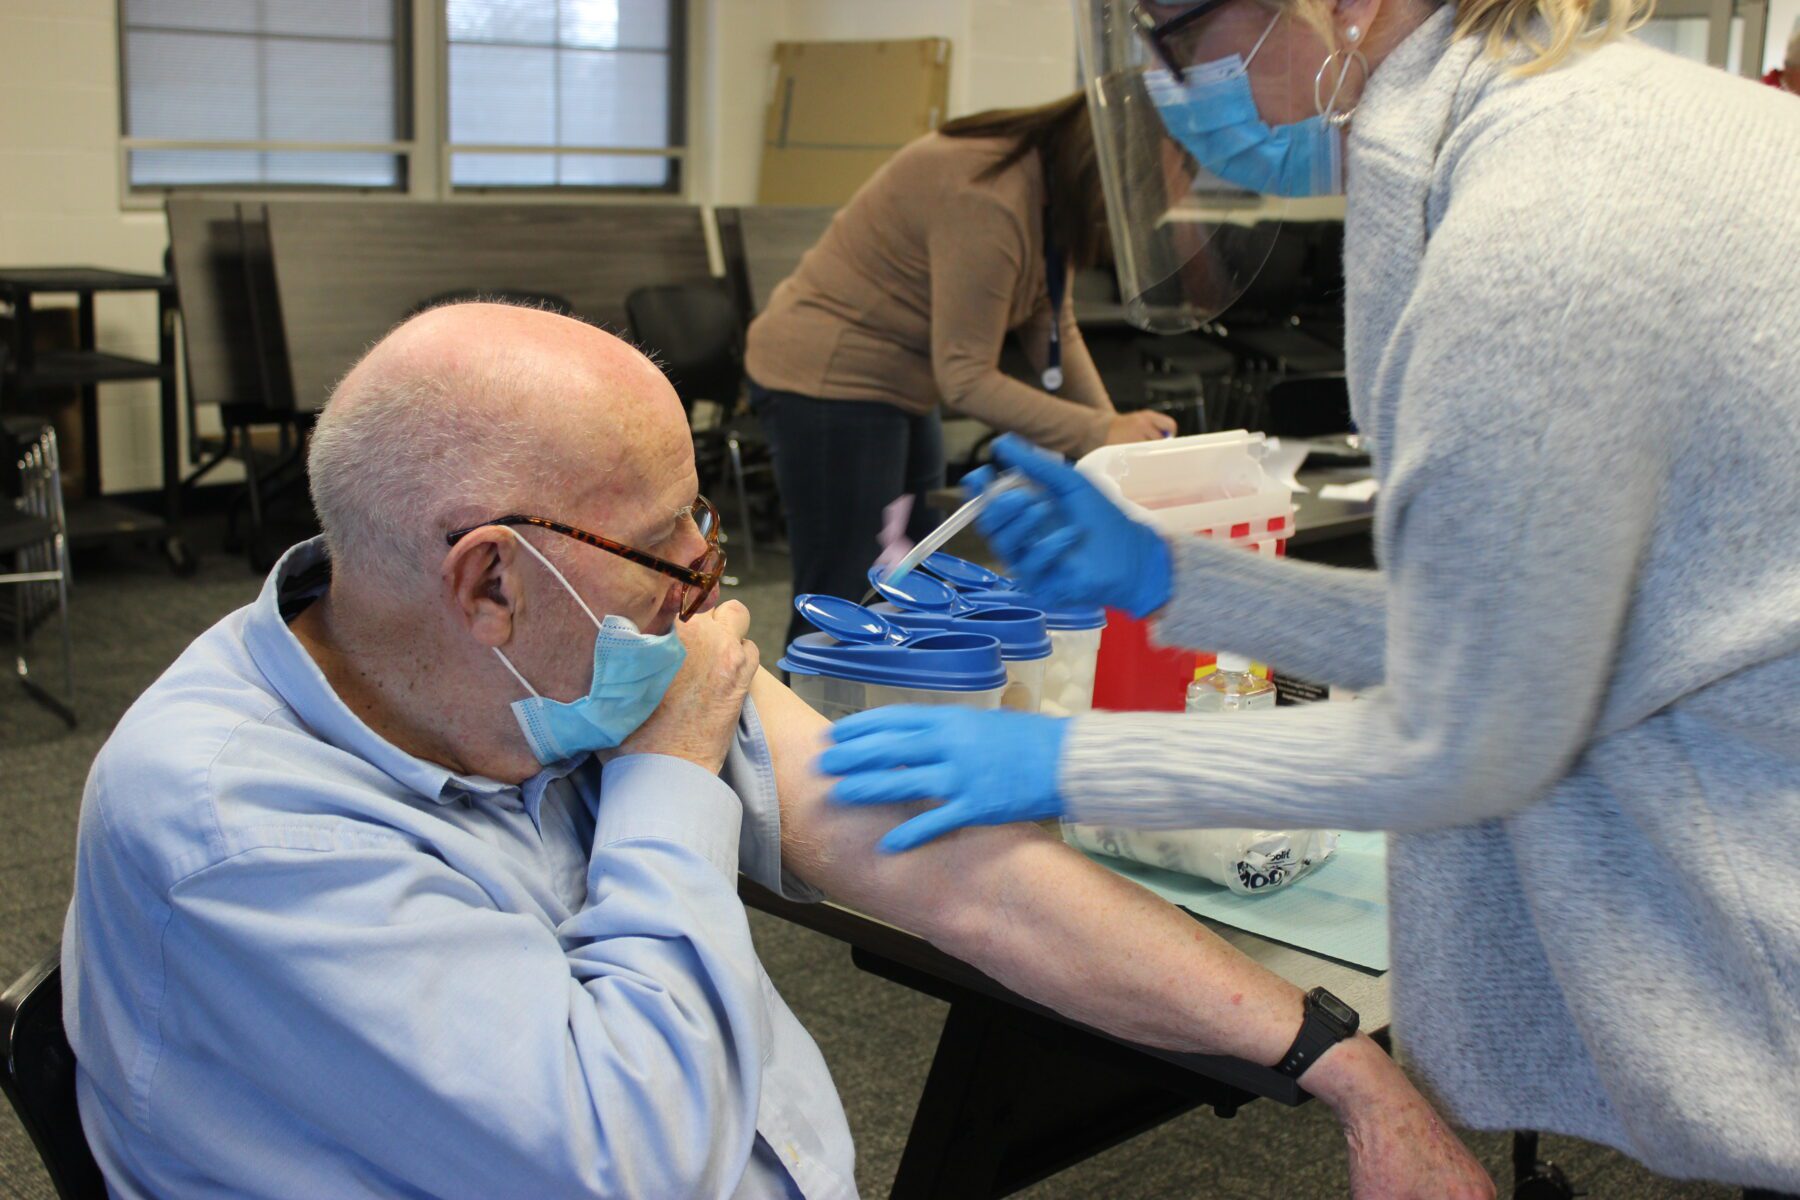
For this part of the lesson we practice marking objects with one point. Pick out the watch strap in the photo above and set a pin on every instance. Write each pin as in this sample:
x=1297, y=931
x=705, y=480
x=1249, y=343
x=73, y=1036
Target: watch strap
x=1318, y=1033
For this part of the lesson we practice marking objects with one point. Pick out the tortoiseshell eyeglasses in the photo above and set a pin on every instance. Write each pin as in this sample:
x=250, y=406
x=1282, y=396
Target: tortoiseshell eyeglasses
x=697, y=579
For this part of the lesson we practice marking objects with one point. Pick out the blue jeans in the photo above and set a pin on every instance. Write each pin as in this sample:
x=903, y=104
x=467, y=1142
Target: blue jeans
x=838, y=463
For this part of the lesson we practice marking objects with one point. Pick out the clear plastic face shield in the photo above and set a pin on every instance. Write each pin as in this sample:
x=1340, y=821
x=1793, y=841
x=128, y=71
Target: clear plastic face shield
x=1212, y=122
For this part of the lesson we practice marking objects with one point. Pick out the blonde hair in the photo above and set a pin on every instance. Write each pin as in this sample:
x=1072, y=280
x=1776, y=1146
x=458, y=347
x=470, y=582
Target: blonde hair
x=1550, y=29
x=1508, y=25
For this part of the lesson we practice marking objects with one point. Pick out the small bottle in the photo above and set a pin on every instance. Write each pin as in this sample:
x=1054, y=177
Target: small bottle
x=1230, y=689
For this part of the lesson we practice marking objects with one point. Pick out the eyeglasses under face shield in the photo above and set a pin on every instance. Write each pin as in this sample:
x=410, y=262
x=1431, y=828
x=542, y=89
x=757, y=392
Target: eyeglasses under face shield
x=1187, y=242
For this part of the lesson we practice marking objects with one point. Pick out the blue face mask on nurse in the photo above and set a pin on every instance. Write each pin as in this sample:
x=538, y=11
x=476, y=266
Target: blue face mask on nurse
x=1206, y=93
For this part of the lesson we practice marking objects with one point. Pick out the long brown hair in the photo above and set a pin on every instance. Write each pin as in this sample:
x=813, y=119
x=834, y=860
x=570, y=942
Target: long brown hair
x=1063, y=140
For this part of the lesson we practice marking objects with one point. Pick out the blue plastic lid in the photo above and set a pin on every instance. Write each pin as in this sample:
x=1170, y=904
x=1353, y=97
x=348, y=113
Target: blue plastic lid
x=964, y=575
x=1060, y=619
x=917, y=592
x=1023, y=633
x=846, y=620
x=936, y=662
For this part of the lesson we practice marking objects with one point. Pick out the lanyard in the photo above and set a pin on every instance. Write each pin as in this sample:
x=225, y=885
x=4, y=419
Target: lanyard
x=1055, y=279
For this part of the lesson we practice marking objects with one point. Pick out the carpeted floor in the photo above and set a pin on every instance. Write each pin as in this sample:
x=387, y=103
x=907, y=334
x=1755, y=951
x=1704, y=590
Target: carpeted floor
x=131, y=619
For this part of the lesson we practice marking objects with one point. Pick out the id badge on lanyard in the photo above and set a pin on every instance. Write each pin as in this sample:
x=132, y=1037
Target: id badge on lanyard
x=1055, y=280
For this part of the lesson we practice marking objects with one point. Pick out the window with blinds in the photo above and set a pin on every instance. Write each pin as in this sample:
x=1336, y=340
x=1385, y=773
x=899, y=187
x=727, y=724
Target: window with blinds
x=564, y=93
x=264, y=92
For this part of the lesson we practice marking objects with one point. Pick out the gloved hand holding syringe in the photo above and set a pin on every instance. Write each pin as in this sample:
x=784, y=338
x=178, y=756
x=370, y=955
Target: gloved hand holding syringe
x=1062, y=540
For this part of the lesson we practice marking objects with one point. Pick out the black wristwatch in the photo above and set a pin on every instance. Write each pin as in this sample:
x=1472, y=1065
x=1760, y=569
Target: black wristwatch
x=1327, y=1021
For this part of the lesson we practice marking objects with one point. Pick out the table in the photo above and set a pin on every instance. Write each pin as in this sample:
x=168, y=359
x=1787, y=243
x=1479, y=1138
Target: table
x=1017, y=1092
x=1317, y=520
x=92, y=519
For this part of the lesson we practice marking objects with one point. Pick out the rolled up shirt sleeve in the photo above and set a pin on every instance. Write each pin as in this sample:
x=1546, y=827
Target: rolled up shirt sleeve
x=750, y=772
x=619, y=1054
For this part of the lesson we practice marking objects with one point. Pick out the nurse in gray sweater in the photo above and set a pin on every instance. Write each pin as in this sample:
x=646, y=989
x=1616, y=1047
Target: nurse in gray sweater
x=1574, y=338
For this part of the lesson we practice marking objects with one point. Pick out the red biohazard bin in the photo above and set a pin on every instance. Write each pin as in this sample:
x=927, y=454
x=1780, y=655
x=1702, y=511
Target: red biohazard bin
x=1212, y=485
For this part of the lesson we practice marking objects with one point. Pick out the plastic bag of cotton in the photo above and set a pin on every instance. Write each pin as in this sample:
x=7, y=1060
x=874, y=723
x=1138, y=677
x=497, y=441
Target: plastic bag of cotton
x=1251, y=862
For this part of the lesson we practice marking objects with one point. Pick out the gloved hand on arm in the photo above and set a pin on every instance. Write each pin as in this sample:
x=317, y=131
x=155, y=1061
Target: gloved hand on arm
x=988, y=767
x=1065, y=542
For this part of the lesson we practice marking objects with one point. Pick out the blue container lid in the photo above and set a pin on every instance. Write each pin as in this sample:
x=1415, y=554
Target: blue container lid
x=1023, y=633
x=936, y=662
x=964, y=575
x=863, y=646
x=1060, y=619
x=919, y=592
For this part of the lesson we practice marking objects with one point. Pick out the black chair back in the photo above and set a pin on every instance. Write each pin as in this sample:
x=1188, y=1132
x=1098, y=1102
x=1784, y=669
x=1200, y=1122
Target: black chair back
x=548, y=301
x=39, y=1078
x=1306, y=406
x=695, y=332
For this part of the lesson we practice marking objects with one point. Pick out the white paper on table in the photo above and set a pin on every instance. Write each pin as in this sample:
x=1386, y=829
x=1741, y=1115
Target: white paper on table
x=1282, y=459
x=1360, y=492
x=1339, y=910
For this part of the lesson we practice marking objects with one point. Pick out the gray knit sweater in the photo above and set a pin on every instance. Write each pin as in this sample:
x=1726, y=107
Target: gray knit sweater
x=1574, y=335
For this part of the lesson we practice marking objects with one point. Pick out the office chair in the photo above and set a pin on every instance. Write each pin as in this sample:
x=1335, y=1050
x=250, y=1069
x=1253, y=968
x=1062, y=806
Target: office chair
x=1306, y=406
x=548, y=301
x=37, y=1073
x=225, y=294
x=696, y=334
x=33, y=533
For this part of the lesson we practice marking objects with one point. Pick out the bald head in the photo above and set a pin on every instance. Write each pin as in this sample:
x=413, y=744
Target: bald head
x=471, y=411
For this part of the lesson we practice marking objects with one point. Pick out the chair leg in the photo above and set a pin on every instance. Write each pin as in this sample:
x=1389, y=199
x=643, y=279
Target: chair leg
x=743, y=498
x=253, y=498
x=33, y=688
x=62, y=604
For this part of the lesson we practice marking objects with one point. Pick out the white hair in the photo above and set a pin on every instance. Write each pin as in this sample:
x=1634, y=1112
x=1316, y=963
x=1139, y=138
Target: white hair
x=400, y=458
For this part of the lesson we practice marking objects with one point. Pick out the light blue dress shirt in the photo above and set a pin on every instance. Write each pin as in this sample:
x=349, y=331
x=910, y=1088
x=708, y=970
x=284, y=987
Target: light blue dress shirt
x=302, y=963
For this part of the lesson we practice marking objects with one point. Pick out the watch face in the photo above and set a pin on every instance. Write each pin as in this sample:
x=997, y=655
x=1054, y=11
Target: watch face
x=1334, y=1008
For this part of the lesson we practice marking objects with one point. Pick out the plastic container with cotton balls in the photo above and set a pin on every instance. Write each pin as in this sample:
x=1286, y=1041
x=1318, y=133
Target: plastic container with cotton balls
x=921, y=602
x=861, y=661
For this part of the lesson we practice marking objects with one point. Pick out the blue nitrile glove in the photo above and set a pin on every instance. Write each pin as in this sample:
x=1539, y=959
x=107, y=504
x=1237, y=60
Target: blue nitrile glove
x=988, y=767
x=1064, y=542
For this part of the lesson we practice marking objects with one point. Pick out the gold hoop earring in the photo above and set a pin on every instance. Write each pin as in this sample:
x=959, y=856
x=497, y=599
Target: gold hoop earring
x=1327, y=105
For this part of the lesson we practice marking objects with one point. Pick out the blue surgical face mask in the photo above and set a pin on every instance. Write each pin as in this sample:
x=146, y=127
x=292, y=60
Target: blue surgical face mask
x=1211, y=112
x=632, y=672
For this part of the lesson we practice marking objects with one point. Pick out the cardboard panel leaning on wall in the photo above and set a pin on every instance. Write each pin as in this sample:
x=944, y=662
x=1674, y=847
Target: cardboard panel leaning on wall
x=347, y=273
x=840, y=109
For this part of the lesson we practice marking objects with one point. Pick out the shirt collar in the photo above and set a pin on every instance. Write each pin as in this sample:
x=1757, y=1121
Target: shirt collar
x=301, y=575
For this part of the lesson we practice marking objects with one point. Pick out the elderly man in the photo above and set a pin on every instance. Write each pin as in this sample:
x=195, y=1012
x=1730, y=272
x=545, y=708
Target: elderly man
x=418, y=875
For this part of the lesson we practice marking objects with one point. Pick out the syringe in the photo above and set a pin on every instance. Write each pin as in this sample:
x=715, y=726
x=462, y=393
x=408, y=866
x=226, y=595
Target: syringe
x=954, y=524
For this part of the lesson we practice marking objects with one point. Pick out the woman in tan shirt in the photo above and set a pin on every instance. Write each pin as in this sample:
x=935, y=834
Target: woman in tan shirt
x=905, y=303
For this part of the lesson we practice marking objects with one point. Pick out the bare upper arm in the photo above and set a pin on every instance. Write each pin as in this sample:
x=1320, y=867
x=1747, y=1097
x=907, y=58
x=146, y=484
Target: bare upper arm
x=832, y=846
